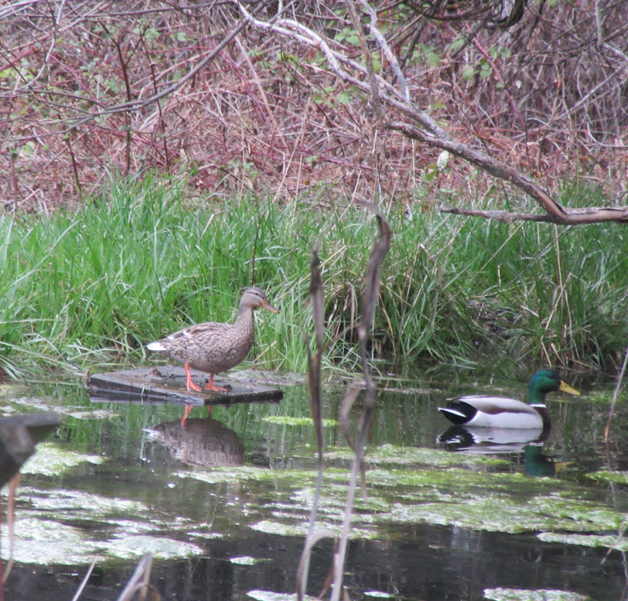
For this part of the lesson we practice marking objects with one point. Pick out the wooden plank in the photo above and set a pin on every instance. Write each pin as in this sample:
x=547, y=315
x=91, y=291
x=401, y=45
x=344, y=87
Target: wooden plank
x=166, y=385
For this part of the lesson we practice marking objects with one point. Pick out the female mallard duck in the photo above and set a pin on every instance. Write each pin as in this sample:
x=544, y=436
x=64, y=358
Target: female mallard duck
x=497, y=412
x=215, y=347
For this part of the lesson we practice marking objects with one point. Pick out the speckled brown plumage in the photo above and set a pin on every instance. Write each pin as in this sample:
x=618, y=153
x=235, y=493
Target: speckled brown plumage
x=215, y=347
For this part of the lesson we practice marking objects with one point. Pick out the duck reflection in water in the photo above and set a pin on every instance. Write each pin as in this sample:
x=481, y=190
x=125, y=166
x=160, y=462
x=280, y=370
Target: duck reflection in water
x=494, y=441
x=202, y=442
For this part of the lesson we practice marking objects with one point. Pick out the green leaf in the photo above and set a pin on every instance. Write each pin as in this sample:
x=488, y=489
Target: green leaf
x=468, y=72
x=344, y=97
x=432, y=59
x=457, y=44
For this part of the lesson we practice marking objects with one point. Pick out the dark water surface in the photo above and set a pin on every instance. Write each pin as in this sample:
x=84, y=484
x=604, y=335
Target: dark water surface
x=145, y=452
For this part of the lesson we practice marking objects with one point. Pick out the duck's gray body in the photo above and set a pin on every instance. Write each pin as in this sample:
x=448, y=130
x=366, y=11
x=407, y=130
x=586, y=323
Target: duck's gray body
x=501, y=412
x=494, y=412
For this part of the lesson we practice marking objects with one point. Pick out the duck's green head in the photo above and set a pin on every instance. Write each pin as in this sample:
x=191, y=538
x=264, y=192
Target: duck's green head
x=545, y=381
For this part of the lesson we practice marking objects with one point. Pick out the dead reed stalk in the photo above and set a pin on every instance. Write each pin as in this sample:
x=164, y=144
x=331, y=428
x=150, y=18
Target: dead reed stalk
x=369, y=304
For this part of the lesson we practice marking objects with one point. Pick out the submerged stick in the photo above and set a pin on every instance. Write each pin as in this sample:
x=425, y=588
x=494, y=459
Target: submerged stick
x=139, y=581
x=79, y=590
x=611, y=411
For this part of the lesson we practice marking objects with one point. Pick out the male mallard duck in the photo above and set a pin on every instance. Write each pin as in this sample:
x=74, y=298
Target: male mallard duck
x=498, y=412
x=214, y=347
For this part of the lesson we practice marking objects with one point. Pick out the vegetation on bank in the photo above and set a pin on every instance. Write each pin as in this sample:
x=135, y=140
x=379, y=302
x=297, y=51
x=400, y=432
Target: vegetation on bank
x=95, y=286
x=89, y=85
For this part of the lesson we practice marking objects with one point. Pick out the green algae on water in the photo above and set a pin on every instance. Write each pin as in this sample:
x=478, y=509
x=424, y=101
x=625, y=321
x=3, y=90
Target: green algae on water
x=301, y=529
x=133, y=547
x=246, y=560
x=270, y=596
x=285, y=420
x=408, y=456
x=47, y=542
x=512, y=594
x=616, y=542
x=606, y=476
x=44, y=534
x=52, y=459
x=461, y=497
x=500, y=513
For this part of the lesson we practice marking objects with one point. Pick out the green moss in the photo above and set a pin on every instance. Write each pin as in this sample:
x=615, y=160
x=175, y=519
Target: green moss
x=511, y=594
x=270, y=596
x=397, y=455
x=284, y=420
x=301, y=529
x=604, y=476
x=586, y=540
x=51, y=459
x=133, y=547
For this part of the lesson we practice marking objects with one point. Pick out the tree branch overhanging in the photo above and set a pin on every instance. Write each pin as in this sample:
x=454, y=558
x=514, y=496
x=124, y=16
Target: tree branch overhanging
x=425, y=129
x=462, y=85
x=555, y=213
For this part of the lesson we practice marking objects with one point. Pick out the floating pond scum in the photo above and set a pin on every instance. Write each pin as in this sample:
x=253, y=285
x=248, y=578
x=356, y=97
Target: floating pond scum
x=223, y=503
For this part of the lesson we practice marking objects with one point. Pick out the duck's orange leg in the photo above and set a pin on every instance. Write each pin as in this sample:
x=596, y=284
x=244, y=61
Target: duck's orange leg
x=191, y=387
x=210, y=385
x=186, y=413
x=188, y=383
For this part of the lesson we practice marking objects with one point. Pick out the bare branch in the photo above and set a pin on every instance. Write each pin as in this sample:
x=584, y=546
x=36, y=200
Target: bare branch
x=492, y=166
x=532, y=106
x=368, y=59
x=571, y=217
x=139, y=104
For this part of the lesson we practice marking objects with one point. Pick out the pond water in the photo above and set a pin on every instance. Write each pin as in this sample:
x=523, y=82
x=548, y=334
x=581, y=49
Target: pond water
x=223, y=503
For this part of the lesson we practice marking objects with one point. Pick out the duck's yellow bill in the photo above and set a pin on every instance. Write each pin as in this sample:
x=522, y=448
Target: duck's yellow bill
x=568, y=389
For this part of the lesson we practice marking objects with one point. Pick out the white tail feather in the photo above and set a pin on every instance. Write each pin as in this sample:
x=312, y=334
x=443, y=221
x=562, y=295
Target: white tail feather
x=449, y=410
x=156, y=346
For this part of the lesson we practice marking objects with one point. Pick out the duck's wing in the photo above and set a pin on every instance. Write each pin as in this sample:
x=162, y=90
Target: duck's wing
x=493, y=405
x=200, y=330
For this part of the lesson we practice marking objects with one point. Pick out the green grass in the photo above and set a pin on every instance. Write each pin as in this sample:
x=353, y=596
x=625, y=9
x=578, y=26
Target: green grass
x=94, y=287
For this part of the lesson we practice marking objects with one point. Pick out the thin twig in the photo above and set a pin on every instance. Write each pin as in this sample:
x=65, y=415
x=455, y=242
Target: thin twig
x=139, y=579
x=611, y=410
x=135, y=105
x=83, y=584
x=316, y=409
x=376, y=102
